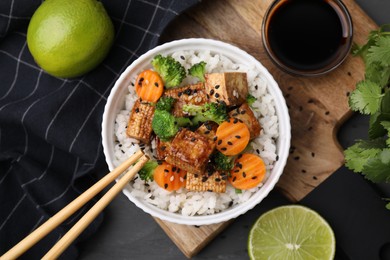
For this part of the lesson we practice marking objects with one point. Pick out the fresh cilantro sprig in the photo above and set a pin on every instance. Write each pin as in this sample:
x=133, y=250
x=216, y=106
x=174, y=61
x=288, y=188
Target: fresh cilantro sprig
x=371, y=157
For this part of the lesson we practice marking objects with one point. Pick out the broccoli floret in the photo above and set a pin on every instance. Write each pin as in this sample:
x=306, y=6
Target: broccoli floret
x=221, y=161
x=183, y=121
x=170, y=70
x=165, y=103
x=250, y=99
x=215, y=112
x=146, y=173
x=198, y=70
x=164, y=125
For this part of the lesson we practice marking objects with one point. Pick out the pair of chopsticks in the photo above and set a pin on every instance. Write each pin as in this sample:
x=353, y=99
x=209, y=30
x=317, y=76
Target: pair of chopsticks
x=76, y=204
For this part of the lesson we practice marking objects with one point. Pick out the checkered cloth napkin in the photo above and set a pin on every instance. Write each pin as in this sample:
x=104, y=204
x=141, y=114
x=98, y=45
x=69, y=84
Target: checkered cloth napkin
x=50, y=128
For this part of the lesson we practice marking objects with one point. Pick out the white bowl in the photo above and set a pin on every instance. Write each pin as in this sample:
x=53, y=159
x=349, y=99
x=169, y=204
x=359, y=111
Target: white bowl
x=115, y=103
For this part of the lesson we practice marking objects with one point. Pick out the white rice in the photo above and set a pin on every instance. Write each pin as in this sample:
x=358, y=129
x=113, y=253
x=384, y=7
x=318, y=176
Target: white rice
x=190, y=203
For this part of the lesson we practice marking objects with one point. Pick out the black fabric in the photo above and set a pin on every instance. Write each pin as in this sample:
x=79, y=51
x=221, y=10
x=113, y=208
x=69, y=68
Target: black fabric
x=50, y=128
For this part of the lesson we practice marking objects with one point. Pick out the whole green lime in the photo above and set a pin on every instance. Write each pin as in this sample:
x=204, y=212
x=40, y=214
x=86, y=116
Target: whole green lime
x=68, y=38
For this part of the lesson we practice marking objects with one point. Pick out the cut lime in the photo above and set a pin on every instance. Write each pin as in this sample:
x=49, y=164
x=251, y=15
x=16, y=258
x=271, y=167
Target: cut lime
x=291, y=232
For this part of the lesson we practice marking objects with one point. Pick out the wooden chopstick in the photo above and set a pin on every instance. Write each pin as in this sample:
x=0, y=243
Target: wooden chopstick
x=75, y=231
x=67, y=211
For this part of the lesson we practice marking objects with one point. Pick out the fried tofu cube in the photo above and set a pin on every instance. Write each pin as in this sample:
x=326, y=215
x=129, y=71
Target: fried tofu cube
x=245, y=113
x=229, y=87
x=140, y=122
x=202, y=182
x=192, y=94
x=189, y=151
x=208, y=130
x=162, y=148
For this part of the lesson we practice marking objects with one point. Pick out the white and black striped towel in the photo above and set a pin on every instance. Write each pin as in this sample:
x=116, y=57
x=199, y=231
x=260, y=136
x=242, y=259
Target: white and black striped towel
x=50, y=128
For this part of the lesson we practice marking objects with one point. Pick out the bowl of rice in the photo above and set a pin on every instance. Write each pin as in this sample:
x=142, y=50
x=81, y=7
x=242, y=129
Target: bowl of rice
x=200, y=207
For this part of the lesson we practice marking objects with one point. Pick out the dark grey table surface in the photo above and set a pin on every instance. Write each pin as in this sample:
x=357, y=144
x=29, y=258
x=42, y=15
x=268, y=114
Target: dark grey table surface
x=128, y=233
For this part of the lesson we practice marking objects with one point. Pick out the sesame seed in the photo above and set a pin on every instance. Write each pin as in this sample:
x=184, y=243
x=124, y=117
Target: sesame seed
x=256, y=87
x=204, y=179
x=254, y=177
x=242, y=112
x=156, y=84
x=238, y=137
x=229, y=143
x=217, y=179
x=193, y=139
x=137, y=110
x=234, y=179
x=174, y=168
x=223, y=149
x=235, y=121
x=211, y=92
x=216, y=86
x=215, y=138
x=182, y=57
x=216, y=95
x=172, y=178
x=219, y=142
x=243, y=174
x=165, y=185
x=206, y=132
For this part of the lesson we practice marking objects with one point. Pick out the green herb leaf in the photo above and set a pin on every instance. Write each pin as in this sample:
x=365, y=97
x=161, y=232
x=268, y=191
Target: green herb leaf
x=366, y=98
x=357, y=155
x=377, y=168
x=380, y=52
x=376, y=129
x=378, y=74
x=386, y=125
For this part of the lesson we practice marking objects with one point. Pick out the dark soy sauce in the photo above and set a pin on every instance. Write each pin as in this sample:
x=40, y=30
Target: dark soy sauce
x=307, y=35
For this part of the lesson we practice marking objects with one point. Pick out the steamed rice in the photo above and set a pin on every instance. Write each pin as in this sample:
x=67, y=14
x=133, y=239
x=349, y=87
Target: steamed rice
x=190, y=203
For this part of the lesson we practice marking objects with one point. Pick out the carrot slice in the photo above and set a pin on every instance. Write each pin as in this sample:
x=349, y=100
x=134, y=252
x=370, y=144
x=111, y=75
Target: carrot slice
x=248, y=171
x=149, y=86
x=232, y=137
x=169, y=177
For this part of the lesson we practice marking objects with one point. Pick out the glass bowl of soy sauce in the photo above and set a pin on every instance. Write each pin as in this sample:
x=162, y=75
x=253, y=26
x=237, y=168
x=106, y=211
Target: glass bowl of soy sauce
x=307, y=37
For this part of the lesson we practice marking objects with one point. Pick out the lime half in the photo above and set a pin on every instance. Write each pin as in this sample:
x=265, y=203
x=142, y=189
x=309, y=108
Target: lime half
x=291, y=232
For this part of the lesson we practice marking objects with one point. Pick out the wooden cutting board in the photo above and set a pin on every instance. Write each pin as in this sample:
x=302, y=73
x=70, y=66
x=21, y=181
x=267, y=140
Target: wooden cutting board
x=317, y=106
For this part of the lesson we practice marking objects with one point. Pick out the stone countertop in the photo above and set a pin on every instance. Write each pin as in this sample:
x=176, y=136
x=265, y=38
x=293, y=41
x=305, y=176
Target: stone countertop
x=120, y=238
